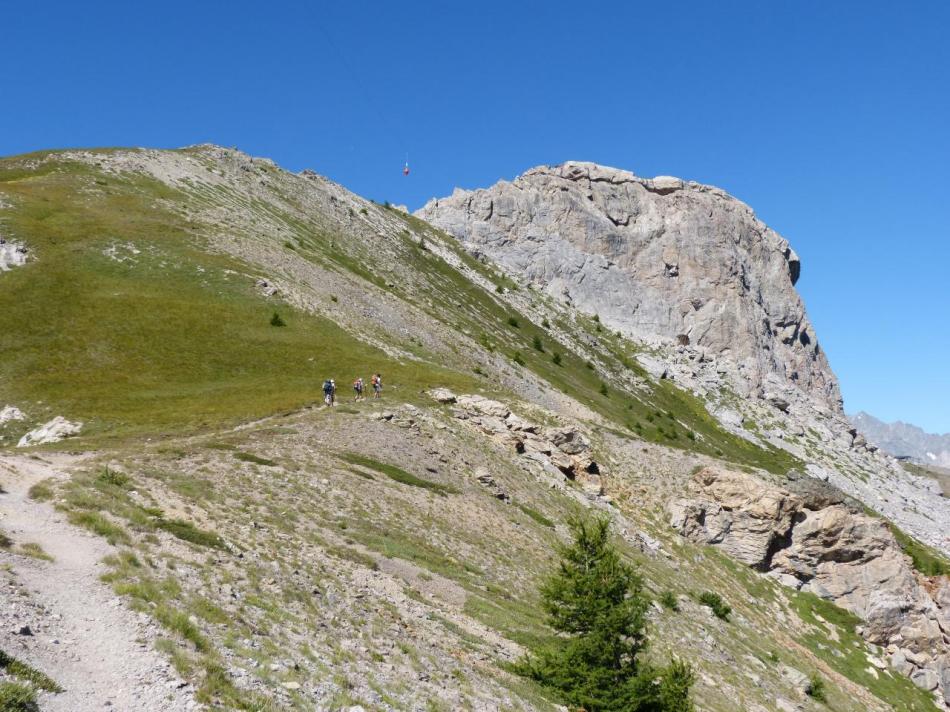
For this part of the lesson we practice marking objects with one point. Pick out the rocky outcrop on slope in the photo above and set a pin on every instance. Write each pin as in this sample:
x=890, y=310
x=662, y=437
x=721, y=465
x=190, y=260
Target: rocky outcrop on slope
x=807, y=536
x=652, y=257
x=12, y=255
x=52, y=432
x=561, y=451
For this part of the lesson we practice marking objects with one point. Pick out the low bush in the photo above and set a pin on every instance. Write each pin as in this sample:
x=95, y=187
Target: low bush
x=714, y=601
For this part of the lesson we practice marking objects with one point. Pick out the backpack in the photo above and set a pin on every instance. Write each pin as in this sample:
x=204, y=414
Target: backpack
x=327, y=386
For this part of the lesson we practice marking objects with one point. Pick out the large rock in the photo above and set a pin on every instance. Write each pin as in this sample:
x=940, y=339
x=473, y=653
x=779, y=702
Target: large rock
x=656, y=258
x=11, y=255
x=806, y=536
x=9, y=413
x=52, y=432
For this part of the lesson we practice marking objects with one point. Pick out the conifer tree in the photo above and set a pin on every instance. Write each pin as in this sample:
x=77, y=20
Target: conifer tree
x=595, y=602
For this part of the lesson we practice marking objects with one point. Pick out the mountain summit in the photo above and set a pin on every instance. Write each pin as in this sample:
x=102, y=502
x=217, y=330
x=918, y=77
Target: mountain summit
x=654, y=258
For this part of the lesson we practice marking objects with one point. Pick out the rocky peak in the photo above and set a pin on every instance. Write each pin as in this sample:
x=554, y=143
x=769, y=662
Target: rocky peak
x=657, y=258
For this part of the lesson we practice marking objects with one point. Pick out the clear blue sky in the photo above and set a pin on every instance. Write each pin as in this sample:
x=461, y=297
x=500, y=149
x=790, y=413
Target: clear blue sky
x=830, y=119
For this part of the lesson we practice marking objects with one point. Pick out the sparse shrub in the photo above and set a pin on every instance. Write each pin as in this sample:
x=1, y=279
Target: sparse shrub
x=500, y=289
x=289, y=245
x=275, y=320
x=518, y=358
x=334, y=298
x=651, y=417
x=714, y=601
x=691, y=435
x=5, y=541
x=597, y=318
x=595, y=602
x=773, y=656
x=816, y=689
x=603, y=388
x=113, y=477
x=556, y=359
x=545, y=323
x=668, y=600
x=537, y=345
x=512, y=321
x=41, y=492
x=589, y=365
x=478, y=371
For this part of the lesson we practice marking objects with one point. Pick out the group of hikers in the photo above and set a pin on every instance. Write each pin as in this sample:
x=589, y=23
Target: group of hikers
x=359, y=387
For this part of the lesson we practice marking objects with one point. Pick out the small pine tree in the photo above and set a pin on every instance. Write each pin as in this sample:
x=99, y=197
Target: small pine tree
x=275, y=320
x=556, y=359
x=536, y=343
x=596, y=602
x=603, y=389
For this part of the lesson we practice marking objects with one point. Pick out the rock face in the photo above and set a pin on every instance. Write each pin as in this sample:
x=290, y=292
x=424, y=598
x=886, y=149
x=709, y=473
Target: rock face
x=656, y=258
x=808, y=537
x=52, y=432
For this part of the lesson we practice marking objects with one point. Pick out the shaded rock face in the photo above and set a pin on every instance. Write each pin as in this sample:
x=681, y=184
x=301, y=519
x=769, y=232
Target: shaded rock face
x=656, y=258
x=807, y=537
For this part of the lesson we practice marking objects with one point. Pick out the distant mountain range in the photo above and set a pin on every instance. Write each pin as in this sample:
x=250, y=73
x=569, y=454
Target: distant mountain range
x=904, y=440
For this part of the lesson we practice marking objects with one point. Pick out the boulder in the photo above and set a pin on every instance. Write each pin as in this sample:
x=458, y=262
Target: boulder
x=52, y=432
x=442, y=395
x=10, y=413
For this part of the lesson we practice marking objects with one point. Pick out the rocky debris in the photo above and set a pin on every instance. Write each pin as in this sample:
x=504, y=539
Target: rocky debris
x=12, y=254
x=563, y=449
x=806, y=535
x=266, y=288
x=486, y=480
x=653, y=258
x=52, y=432
x=10, y=413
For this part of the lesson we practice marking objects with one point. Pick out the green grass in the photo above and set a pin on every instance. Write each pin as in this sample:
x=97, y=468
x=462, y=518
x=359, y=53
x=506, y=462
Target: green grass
x=41, y=491
x=398, y=474
x=926, y=560
x=848, y=655
x=15, y=697
x=189, y=532
x=101, y=525
x=15, y=668
x=249, y=457
x=714, y=602
x=145, y=347
x=536, y=516
x=34, y=550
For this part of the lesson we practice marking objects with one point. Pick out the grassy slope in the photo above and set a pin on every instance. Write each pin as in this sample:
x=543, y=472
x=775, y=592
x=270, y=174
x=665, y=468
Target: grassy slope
x=170, y=341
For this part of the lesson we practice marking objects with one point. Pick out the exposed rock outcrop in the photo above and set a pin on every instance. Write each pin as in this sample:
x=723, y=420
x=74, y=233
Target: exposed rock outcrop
x=52, y=432
x=12, y=254
x=655, y=258
x=807, y=536
x=564, y=449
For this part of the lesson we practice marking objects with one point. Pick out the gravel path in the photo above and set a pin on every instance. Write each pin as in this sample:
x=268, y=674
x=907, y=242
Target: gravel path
x=82, y=635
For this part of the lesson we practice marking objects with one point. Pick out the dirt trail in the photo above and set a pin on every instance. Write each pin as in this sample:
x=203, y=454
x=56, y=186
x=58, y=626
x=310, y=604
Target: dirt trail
x=83, y=636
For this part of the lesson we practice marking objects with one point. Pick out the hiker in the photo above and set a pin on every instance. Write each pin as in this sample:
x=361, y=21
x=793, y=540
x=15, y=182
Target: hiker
x=358, y=387
x=377, y=385
x=328, y=391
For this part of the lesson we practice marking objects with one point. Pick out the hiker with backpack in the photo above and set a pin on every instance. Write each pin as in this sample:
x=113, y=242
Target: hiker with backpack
x=358, y=387
x=329, y=391
x=377, y=385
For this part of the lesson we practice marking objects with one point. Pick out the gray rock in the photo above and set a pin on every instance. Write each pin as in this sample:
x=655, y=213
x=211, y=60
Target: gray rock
x=653, y=258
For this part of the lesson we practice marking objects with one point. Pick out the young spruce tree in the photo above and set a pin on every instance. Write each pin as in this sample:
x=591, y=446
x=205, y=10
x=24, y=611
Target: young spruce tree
x=596, y=603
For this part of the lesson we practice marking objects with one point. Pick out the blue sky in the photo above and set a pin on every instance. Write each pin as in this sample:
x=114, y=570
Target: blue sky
x=829, y=119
